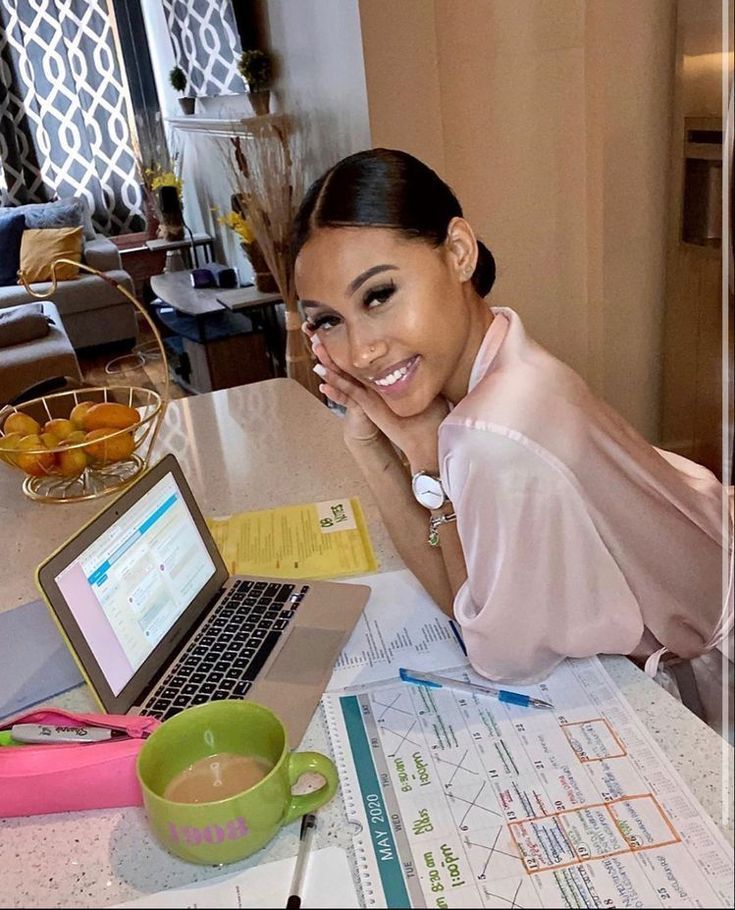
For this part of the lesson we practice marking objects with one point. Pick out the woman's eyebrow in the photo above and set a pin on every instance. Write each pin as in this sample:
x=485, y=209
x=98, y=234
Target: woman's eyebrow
x=309, y=303
x=368, y=273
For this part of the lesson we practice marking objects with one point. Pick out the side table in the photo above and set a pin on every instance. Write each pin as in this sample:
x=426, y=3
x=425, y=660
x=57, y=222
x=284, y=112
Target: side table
x=188, y=246
x=139, y=261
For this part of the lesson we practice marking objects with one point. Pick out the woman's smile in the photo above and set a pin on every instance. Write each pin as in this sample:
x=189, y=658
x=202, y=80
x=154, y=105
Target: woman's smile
x=395, y=379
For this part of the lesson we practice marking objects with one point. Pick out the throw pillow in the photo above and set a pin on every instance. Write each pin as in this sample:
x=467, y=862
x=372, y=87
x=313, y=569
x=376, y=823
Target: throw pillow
x=64, y=213
x=89, y=231
x=40, y=247
x=23, y=323
x=11, y=231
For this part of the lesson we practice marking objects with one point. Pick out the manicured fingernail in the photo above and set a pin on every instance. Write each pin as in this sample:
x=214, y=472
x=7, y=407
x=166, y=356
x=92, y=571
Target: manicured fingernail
x=320, y=370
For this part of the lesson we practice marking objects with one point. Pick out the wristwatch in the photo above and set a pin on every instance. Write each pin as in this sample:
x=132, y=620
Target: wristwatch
x=428, y=490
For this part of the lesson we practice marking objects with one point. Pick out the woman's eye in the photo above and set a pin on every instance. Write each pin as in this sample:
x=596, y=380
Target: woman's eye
x=380, y=294
x=323, y=322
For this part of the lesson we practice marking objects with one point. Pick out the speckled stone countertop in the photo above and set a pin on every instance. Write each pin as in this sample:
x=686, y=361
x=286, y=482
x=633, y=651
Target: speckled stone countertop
x=257, y=446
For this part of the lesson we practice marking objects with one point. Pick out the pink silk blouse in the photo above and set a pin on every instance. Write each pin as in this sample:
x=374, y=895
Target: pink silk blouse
x=578, y=535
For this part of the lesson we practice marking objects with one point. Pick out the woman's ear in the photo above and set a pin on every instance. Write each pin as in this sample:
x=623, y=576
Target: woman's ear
x=461, y=246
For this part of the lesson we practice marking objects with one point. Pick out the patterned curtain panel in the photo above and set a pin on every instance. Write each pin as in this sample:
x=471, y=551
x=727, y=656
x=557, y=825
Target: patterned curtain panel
x=206, y=45
x=63, y=112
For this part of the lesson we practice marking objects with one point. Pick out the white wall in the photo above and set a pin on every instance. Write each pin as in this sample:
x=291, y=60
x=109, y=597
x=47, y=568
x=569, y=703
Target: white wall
x=321, y=72
x=318, y=51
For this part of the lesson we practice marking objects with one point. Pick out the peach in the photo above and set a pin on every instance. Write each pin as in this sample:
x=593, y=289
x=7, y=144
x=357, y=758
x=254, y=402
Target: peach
x=110, y=449
x=18, y=422
x=110, y=414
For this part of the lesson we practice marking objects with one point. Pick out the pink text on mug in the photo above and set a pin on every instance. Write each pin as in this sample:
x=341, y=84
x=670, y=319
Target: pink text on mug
x=212, y=834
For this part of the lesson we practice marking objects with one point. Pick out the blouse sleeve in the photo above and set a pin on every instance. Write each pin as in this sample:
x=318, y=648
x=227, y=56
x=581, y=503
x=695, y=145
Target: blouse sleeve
x=541, y=585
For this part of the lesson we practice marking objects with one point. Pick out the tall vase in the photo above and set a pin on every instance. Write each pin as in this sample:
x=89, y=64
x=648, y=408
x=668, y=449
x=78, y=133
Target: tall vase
x=170, y=214
x=260, y=101
x=151, y=213
x=262, y=275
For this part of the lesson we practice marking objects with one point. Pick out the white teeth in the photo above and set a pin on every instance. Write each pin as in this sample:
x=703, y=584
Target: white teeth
x=392, y=378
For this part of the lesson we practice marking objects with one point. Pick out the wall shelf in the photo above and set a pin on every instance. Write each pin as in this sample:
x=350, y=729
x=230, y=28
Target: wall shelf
x=223, y=126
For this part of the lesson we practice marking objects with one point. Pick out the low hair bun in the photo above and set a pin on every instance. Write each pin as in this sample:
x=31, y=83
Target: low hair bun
x=483, y=278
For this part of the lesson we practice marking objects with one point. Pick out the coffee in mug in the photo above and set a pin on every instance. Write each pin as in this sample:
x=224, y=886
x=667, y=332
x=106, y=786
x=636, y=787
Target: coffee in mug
x=217, y=776
x=217, y=779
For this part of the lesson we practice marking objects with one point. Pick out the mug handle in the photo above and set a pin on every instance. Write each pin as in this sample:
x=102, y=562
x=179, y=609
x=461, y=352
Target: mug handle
x=299, y=763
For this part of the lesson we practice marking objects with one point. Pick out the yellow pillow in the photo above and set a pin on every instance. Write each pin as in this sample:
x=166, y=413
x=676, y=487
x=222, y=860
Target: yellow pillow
x=39, y=247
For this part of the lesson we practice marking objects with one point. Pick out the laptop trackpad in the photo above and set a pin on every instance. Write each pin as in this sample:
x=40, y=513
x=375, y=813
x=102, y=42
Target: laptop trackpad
x=307, y=656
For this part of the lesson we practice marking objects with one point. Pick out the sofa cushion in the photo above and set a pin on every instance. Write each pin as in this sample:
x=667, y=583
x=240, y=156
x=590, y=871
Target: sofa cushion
x=40, y=247
x=12, y=226
x=85, y=212
x=24, y=365
x=101, y=254
x=63, y=213
x=22, y=323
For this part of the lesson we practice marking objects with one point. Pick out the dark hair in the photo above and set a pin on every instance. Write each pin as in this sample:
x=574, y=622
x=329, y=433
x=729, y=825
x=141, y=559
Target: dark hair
x=391, y=189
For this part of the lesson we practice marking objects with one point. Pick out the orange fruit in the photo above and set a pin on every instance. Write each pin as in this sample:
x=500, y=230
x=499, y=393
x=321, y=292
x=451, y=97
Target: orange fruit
x=50, y=440
x=73, y=438
x=60, y=427
x=33, y=460
x=18, y=422
x=78, y=412
x=109, y=414
x=72, y=462
x=9, y=442
x=110, y=449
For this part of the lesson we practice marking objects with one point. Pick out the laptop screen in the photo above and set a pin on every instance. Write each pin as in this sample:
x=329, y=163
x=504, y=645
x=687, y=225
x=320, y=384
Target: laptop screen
x=127, y=589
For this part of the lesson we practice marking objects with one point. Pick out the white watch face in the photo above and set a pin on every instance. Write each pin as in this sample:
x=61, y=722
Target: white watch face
x=428, y=491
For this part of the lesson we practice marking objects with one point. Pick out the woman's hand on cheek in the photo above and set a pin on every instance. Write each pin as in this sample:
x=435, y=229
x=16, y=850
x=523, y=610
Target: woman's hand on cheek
x=368, y=414
x=343, y=390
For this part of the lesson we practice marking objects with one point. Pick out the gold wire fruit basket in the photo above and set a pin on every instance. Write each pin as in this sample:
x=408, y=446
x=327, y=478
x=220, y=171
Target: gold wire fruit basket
x=85, y=442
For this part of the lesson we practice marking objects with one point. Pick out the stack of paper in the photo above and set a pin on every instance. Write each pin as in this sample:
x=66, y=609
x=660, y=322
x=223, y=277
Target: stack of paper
x=328, y=883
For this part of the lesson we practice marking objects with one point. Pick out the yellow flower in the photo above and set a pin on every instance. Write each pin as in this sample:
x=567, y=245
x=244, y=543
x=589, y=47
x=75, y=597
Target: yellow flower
x=239, y=224
x=159, y=178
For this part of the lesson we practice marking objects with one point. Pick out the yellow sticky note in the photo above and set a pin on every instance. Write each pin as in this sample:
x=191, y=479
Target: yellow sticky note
x=313, y=540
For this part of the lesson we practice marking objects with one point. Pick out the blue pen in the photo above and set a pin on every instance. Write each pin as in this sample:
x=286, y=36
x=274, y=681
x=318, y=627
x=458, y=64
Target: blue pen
x=439, y=682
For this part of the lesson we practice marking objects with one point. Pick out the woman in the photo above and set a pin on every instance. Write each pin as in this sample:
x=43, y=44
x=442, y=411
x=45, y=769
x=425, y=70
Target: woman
x=561, y=532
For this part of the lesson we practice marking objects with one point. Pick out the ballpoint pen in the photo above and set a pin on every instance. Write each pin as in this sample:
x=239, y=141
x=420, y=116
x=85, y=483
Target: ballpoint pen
x=308, y=826
x=439, y=682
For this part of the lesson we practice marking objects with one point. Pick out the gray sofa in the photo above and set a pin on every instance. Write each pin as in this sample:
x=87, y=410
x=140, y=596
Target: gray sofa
x=23, y=365
x=93, y=312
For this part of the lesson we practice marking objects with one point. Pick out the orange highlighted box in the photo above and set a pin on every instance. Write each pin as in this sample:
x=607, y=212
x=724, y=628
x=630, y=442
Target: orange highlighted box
x=643, y=827
x=599, y=735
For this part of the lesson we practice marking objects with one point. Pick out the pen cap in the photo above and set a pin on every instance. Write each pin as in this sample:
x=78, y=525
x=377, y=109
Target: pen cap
x=410, y=677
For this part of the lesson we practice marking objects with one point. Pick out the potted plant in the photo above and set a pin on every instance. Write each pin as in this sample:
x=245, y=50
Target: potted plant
x=256, y=68
x=177, y=78
x=238, y=222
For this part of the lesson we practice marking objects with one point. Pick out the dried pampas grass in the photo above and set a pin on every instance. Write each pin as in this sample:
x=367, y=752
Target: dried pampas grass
x=268, y=169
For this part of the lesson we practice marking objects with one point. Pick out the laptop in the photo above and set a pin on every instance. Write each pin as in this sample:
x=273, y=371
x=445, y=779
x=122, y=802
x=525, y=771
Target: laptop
x=156, y=623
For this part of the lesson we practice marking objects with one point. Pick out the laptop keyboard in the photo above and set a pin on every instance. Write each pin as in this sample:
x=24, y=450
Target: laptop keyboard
x=225, y=656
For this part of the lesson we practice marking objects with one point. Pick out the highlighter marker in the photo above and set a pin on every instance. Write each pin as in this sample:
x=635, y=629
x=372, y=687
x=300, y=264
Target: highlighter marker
x=52, y=733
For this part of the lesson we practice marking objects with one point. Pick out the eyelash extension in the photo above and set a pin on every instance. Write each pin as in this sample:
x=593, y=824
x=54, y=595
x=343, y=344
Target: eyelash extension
x=382, y=293
x=320, y=321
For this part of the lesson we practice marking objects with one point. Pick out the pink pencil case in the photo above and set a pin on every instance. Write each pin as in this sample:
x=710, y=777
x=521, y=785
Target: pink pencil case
x=63, y=777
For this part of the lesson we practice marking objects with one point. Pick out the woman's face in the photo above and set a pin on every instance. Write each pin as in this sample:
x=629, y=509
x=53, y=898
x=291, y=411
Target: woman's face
x=396, y=314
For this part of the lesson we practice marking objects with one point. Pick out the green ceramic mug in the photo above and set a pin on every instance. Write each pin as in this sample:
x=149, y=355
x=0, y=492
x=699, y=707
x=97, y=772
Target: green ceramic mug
x=229, y=829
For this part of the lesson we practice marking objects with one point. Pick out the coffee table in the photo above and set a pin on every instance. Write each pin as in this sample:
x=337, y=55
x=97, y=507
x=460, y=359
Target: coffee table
x=219, y=345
